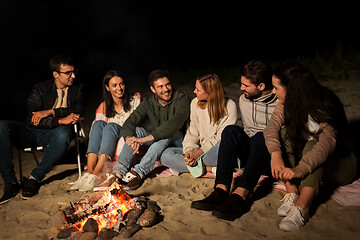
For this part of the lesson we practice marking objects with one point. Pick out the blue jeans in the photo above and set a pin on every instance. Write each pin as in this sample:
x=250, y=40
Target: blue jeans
x=173, y=158
x=252, y=153
x=147, y=162
x=22, y=135
x=103, y=138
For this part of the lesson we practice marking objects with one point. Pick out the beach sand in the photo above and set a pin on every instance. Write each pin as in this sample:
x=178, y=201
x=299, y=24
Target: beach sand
x=27, y=219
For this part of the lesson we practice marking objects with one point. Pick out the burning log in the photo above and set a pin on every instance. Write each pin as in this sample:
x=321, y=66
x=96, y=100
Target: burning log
x=91, y=226
x=110, y=214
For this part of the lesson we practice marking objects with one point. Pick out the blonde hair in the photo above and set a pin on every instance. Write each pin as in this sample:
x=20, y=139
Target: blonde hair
x=216, y=102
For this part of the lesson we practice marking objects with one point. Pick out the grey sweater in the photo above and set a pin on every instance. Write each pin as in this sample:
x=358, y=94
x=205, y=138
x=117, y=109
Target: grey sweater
x=255, y=114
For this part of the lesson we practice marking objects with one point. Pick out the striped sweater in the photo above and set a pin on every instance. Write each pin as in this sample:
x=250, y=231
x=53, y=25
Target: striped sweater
x=255, y=114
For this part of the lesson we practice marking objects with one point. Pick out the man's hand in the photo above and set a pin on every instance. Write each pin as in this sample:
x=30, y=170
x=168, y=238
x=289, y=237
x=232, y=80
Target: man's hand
x=135, y=142
x=277, y=164
x=37, y=116
x=72, y=118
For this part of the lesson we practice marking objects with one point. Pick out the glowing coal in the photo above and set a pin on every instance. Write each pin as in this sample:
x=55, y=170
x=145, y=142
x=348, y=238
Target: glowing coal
x=114, y=211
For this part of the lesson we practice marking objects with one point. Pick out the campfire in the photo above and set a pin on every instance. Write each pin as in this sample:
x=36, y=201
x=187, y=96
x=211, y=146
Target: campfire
x=113, y=213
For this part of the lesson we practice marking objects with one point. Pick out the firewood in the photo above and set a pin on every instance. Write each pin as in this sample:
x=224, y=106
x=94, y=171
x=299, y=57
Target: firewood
x=129, y=231
x=148, y=218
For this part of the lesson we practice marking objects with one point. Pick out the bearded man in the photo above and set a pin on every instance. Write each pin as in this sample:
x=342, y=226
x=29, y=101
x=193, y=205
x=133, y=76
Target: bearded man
x=167, y=110
x=256, y=104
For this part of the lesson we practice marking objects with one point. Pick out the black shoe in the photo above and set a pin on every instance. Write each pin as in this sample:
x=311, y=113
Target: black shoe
x=10, y=191
x=217, y=197
x=31, y=188
x=234, y=207
x=133, y=180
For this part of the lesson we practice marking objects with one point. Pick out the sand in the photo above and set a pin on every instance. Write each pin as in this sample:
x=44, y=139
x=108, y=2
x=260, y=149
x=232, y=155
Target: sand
x=26, y=219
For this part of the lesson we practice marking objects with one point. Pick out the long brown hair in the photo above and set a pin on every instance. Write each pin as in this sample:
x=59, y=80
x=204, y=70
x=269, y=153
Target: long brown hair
x=305, y=96
x=109, y=102
x=216, y=102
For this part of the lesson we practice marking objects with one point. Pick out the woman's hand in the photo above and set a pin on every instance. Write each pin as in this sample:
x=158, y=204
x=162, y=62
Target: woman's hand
x=289, y=173
x=277, y=164
x=190, y=157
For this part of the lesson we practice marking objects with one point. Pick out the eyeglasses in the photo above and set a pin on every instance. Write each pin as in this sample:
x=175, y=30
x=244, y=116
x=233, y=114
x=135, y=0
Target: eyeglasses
x=69, y=73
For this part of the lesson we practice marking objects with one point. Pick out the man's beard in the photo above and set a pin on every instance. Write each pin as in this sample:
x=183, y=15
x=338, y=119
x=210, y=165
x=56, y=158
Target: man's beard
x=251, y=97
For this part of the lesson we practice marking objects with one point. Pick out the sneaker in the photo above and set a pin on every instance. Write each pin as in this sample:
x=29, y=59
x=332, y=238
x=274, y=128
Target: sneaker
x=133, y=180
x=288, y=201
x=110, y=179
x=10, y=191
x=79, y=182
x=31, y=188
x=217, y=197
x=234, y=207
x=295, y=219
x=90, y=182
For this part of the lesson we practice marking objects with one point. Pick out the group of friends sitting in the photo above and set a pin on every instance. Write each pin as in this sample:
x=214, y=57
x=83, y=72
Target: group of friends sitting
x=293, y=130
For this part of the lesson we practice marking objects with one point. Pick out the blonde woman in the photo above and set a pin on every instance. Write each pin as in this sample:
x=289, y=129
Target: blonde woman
x=210, y=113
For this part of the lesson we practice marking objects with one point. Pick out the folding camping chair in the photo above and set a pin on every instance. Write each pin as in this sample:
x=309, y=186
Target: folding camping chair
x=79, y=135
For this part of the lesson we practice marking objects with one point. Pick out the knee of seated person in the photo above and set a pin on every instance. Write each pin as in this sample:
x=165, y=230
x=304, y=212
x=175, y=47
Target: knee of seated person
x=166, y=156
x=99, y=123
x=63, y=133
x=140, y=132
x=230, y=129
x=111, y=126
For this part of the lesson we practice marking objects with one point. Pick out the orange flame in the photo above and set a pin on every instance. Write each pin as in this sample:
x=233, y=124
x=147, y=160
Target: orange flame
x=109, y=218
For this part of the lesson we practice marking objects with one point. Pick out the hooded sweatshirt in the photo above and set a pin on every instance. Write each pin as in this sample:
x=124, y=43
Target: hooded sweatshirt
x=255, y=114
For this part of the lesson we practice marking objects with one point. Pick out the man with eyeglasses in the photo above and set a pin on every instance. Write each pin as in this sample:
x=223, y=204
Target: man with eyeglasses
x=53, y=107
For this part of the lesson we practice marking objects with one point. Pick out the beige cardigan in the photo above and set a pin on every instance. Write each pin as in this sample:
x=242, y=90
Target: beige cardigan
x=203, y=134
x=325, y=146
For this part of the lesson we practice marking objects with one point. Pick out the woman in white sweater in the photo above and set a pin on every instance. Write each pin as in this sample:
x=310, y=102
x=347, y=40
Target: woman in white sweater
x=210, y=113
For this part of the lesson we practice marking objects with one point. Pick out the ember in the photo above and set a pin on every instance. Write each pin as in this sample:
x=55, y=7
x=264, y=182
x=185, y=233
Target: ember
x=115, y=212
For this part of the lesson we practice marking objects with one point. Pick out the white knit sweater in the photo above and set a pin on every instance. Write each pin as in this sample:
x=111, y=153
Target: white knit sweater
x=203, y=134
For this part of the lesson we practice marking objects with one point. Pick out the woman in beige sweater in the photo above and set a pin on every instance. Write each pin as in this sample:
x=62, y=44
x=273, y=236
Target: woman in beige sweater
x=305, y=137
x=210, y=113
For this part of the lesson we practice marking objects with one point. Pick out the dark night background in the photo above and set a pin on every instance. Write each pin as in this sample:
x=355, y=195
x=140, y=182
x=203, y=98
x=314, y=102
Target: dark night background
x=139, y=36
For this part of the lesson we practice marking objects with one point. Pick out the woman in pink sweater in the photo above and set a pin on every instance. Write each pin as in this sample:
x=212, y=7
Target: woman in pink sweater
x=306, y=137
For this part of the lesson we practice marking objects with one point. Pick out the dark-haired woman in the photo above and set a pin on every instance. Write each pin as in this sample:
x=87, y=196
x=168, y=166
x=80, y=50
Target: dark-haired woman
x=306, y=138
x=105, y=131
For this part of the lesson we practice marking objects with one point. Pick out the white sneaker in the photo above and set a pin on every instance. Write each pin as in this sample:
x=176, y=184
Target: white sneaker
x=91, y=181
x=288, y=201
x=79, y=182
x=295, y=219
